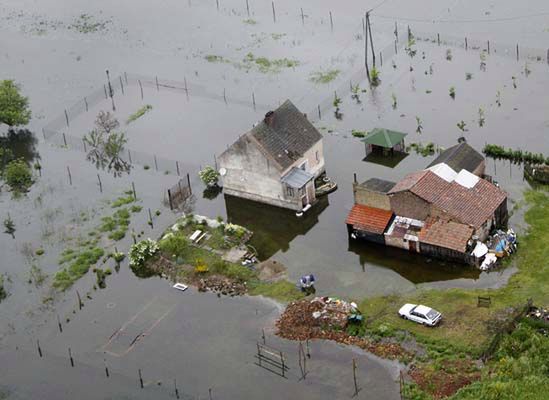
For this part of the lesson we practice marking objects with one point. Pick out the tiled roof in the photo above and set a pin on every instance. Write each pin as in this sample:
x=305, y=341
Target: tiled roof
x=369, y=219
x=447, y=234
x=287, y=136
x=378, y=185
x=471, y=206
x=458, y=157
x=408, y=182
x=425, y=184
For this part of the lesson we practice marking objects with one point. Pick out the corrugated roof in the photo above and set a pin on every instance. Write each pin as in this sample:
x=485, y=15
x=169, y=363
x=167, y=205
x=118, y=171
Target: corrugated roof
x=297, y=178
x=369, y=219
x=447, y=234
x=287, y=136
x=383, y=137
x=458, y=157
x=378, y=185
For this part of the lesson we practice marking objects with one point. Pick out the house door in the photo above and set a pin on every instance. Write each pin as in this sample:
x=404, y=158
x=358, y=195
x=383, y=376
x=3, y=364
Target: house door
x=305, y=200
x=412, y=246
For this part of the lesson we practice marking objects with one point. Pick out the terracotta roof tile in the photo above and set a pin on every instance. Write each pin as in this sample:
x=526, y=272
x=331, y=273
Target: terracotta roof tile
x=447, y=234
x=369, y=219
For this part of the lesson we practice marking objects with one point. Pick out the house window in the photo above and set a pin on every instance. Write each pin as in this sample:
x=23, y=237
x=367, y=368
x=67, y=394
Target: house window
x=290, y=191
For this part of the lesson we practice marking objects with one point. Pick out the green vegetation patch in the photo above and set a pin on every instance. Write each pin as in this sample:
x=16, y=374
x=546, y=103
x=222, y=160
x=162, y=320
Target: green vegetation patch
x=139, y=113
x=213, y=58
x=79, y=262
x=3, y=292
x=283, y=291
x=86, y=23
x=117, y=224
x=267, y=65
x=324, y=76
x=250, y=21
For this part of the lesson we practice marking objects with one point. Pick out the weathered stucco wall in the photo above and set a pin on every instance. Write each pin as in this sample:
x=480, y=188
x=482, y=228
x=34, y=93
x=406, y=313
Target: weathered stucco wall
x=371, y=198
x=250, y=174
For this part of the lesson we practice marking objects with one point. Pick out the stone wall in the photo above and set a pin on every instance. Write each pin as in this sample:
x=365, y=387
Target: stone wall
x=371, y=198
x=407, y=204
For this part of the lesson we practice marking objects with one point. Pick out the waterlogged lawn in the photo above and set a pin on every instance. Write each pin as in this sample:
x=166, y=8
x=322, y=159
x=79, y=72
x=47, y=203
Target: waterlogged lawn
x=467, y=328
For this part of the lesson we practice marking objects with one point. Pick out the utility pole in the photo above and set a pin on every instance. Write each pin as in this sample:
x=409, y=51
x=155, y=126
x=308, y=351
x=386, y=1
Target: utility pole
x=371, y=38
x=366, y=47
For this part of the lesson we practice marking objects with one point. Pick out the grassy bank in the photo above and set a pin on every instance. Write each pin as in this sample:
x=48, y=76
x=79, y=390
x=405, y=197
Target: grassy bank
x=468, y=328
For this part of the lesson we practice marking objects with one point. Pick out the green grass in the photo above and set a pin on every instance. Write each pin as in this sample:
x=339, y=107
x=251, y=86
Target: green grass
x=135, y=208
x=250, y=21
x=214, y=58
x=117, y=224
x=266, y=65
x=122, y=201
x=139, y=113
x=80, y=263
x=283, y=291
x=466, y=327
x=324, y=76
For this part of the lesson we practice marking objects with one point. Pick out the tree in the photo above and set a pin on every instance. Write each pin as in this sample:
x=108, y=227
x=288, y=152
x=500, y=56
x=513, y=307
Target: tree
x=18, y=176
x=14, y=108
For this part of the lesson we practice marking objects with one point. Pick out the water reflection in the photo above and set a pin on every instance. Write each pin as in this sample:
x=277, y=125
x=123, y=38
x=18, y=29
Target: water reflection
x=22, y=144
x=412, y=266
x=273, y=227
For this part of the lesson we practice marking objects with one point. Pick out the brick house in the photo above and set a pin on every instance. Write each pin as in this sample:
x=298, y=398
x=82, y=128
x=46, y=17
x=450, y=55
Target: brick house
x=276, y=162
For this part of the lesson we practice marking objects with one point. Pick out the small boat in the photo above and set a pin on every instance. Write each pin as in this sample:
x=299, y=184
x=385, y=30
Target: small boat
x=326, y=186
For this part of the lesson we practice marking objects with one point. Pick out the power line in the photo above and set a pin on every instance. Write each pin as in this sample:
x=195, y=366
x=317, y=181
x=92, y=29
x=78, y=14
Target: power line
x=379, y=5
x=458, y=21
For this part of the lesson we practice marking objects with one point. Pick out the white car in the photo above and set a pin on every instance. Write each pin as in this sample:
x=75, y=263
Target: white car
x=421, y=314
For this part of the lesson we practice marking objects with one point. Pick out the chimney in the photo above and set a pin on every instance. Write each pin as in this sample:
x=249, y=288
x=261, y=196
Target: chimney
x=269, y=118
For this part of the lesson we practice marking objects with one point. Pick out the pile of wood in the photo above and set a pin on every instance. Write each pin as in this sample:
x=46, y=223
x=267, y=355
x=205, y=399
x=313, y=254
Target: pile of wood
x=222, y=286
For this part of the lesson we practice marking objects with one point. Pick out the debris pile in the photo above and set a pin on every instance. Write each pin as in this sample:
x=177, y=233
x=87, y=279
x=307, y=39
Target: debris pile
x=541, y=314
x=326, y=318
x=222, y=286
x=500, y=244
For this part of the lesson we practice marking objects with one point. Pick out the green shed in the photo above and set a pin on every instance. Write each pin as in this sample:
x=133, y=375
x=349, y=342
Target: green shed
x=381, y=140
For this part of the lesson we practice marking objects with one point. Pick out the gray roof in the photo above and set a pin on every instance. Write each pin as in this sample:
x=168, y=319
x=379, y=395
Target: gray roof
x=297, y=178
x=378, y=185
x=287, y=135
x=458, y=157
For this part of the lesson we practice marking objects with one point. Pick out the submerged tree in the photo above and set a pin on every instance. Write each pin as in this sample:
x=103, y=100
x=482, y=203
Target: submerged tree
x=14, y=107
x=481, y=119
x=106, y=145
x=419, y=127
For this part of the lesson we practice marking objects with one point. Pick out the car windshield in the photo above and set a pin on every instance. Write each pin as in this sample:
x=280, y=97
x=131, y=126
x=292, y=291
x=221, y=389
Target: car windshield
x=432, y=314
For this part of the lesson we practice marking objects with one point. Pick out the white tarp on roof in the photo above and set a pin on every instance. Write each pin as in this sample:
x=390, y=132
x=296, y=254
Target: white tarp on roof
x=444, y=171
x=466, y=179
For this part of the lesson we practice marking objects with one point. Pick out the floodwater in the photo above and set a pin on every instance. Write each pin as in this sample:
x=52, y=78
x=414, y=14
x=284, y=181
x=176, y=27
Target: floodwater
x=204, y=342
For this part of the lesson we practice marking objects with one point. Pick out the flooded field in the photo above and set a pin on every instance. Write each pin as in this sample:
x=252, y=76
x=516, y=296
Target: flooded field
x=59, y=52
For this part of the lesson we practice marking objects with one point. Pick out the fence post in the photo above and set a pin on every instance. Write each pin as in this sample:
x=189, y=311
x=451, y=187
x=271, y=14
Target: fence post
x=224, y=96
x=396, y=51
x=177, y=167
x=438, y=38
x=253, y=99
x=86, y=103
x=39, y=348
x=189, y=183
x=396, y=32
x=141, y=87
x=517, y=52
x=174, y=381
x=151, y=219
x=331, y=22
x=133, y=190
x=466, y=45
x=70, y=358
x=488, y=47
x=140, y=378
x=44, y=131
x=59, y=324
x=274, y=12
x=67, y=118
x=155, y=163
x=157, y=87
x=105, y=89
x=248, y=7
x=84, y=142
x=100, y=184
x=319, y=115
x=381, y=58
x=129, y=156
x=70, y=177
x=547, y=56
x=302, y=16
x=121, y=85
x=217, y=2
x=170, y=199
x=126, y=78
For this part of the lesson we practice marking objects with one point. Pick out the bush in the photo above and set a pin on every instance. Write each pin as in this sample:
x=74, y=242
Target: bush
x=141, y=252
x=14, y=108
x=174, y=246
x=18, y=175
x=209, y=176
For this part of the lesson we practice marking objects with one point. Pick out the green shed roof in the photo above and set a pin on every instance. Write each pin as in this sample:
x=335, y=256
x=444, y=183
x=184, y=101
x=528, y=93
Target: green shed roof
x=383, y=137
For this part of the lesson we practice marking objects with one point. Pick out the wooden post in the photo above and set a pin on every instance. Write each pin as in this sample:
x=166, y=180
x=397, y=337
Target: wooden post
x=59, y=324
x=217, y=2
x=84, y=143
x=438, y=38
x=100, y=184
x=176, y=389
x=248, y=7
x=177, y=167
x=70, y=358
x=151, y=219
x=186, y=88
x=331, y=22
x=140, y=378
x=354, y=178
x=157, y=87
x=371, y=38
x=354, y=378
x=133, y=190
x=396, y=32
x=141, y=87
x=129, y=156
x=253, y=99
x=517, y=52
x=106, y=368
x=224, y=96
x=274, y=12
x=319, y=115
x=80, y=304
x=283, y=365
x=121, y=85
x=381, y=59
x=126, y=78
x=86, y=103
x=155, y=162
x=547, y=56
x=488, y=47
x=170, y=199
x=44, y=133
x=189, y=183
x=396, y=51
x=70, y=177
x=302, y=16
x=466, y=45
x=39, y=348
x=215, y=162
x=210, y=393
x=67, y=118
x=105, y=90
x=308, y=349
x=263, y=336
x=258, y=354
x=366, y=47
